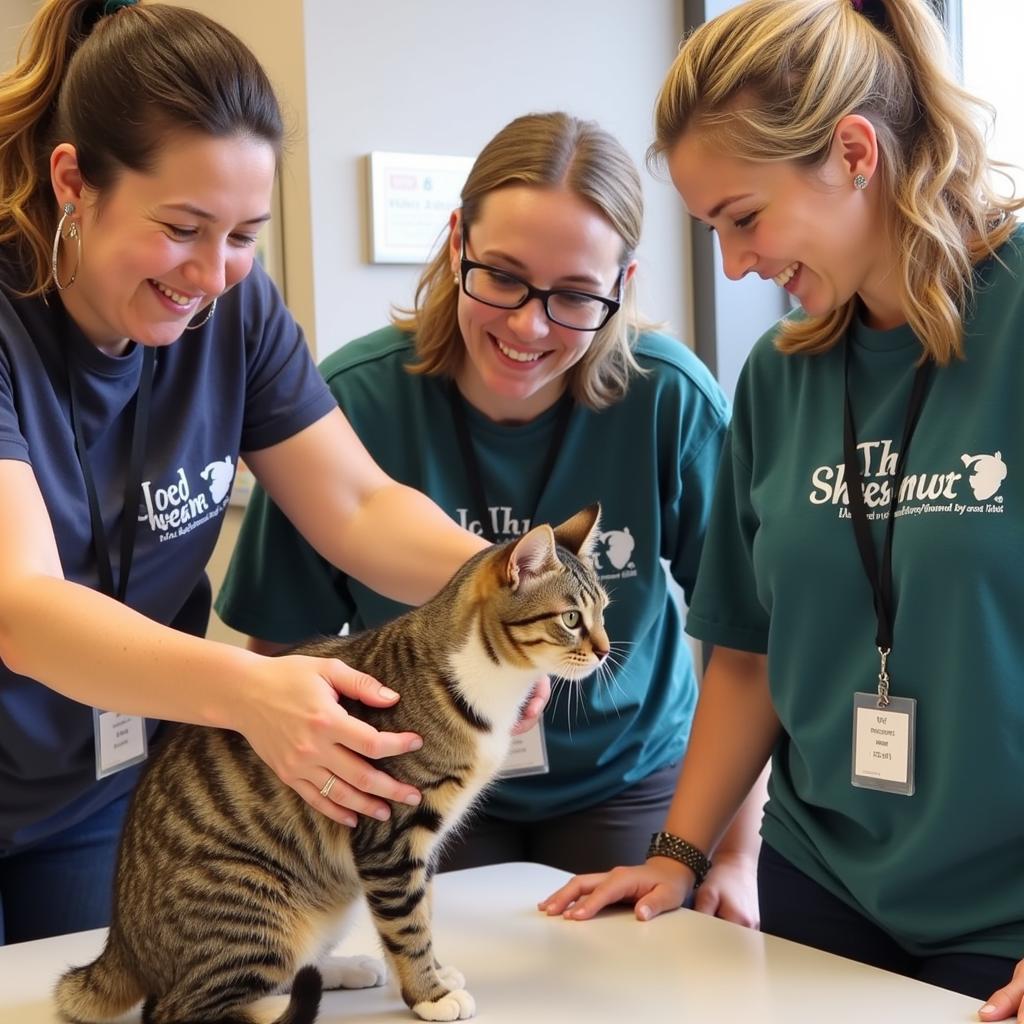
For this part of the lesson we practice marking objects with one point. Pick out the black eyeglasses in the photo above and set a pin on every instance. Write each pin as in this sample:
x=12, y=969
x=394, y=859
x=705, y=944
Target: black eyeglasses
x=579, y=311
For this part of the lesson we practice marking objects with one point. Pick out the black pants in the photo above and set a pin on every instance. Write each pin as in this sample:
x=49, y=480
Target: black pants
x=617, y=831
x=795, y=907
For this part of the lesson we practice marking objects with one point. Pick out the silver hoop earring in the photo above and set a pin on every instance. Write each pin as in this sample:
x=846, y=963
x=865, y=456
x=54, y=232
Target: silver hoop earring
x=209, y=313
x=860, y=183
x=73, y=234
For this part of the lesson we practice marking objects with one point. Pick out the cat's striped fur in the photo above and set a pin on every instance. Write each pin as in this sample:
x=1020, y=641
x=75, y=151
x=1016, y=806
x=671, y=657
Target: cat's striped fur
x=229, y=884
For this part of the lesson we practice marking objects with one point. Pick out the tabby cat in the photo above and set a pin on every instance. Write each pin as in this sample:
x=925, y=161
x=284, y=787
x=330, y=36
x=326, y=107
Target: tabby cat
x=230, y=887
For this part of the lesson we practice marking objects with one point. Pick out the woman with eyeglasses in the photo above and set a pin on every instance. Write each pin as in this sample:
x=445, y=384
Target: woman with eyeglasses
x=522, y=385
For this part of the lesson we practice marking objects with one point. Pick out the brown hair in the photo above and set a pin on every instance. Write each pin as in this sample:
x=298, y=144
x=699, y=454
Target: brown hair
x=115, y=86
x=552, y=150
x=770, y=79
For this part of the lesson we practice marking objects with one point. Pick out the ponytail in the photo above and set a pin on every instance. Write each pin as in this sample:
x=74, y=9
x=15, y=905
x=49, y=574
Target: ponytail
x=28, y=102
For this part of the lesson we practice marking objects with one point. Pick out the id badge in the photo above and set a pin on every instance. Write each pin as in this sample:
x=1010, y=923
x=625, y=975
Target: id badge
x=883, y=744
x=528, y=754
x=120, y=741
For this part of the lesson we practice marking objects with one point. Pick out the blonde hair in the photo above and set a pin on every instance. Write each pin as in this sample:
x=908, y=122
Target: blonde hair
x=115, y=86
x=551, y=150
x=770, y=79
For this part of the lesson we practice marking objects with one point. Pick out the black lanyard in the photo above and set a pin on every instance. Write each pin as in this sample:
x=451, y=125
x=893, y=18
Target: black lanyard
x=132, y=484
x=879, y=578
x=470, y=461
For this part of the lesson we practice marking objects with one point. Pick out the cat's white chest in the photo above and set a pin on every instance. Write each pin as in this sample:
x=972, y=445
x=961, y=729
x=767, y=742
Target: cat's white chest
x=494, y=692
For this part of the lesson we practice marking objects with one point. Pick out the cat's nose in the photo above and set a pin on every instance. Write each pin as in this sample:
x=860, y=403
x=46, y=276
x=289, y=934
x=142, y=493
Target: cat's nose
x=600, y=651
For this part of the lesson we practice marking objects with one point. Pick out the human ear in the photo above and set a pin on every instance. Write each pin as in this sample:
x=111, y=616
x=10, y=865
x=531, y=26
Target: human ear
x=855, y=146
x=455, y=240
x=65, y=175
x=628, y=272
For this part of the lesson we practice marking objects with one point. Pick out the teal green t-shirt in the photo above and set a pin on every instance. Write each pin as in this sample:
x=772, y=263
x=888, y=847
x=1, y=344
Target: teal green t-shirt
x=942, y=870
x=650, y=459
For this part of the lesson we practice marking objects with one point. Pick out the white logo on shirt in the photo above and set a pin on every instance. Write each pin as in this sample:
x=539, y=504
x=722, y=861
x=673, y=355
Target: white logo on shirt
x=501, y=522
x=989, y=472
x=920, y=493
x=174, y=510
x=617, y=546
x=220, y=474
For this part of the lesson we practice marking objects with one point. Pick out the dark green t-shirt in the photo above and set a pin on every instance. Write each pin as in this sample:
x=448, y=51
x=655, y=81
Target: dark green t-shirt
x=941, y=870
x=650, y=460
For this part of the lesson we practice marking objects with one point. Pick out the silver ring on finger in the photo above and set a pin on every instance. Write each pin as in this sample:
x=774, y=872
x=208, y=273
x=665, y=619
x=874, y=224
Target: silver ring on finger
x=325, y=789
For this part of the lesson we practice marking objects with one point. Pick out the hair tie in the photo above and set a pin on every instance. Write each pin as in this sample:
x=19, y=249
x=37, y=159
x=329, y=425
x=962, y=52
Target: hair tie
x=111, y=6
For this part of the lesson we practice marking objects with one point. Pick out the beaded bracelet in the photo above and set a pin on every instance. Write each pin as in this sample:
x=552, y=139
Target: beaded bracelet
x=665, y=844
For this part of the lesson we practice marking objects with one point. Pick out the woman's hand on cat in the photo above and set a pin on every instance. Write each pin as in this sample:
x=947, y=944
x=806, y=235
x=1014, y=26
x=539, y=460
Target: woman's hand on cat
x=730, y=890
x=295, y=723
x=533, y=710
x=659, y=885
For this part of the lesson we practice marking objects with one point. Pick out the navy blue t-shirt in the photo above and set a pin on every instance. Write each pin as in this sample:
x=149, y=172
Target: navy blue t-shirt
x=242, y=382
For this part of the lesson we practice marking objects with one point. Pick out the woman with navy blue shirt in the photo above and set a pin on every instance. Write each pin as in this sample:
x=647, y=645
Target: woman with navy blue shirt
x=141, y=351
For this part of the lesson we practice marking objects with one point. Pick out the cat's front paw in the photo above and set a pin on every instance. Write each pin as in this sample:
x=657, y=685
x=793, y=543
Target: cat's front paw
x=456, y=1005
x=451, y=977
x=352, y=972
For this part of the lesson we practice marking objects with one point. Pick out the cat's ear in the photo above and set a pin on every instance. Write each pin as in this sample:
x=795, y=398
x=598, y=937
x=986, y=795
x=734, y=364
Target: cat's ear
x=579, y=534
x=533, y=556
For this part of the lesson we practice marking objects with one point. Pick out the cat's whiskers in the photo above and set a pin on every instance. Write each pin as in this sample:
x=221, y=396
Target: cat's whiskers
x=613, y=661
x=557, y=686
x=580, y=702
x=562, y=684
x=606, y=676
x=577, y=693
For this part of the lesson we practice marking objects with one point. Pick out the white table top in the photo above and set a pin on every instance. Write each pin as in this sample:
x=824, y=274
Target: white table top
x=523, y=966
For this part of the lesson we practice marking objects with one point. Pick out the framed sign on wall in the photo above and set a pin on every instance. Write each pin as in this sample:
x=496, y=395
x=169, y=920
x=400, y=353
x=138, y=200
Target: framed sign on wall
x=412, y=196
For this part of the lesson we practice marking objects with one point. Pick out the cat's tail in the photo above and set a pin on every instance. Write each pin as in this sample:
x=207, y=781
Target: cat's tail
x=99, y=991
x=304, y=1004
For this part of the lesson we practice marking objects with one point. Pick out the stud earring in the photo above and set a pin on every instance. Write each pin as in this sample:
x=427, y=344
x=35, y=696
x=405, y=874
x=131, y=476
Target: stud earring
x=860, y=183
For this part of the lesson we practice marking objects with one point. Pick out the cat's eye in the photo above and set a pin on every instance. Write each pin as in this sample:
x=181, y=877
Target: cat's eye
x=571, y=619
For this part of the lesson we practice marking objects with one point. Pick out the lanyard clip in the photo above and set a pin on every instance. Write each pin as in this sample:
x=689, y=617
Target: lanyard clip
x=883, y=677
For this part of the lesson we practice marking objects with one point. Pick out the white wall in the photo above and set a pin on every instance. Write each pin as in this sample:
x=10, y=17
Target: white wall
x=14, y=16
x=442, y=77
x=731, y=315
x=273, y=30
x=992, y=35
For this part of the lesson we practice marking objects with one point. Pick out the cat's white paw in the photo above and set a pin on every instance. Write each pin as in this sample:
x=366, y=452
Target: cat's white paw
x=451, y=977
x=352, y=972
x=457, y=1005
